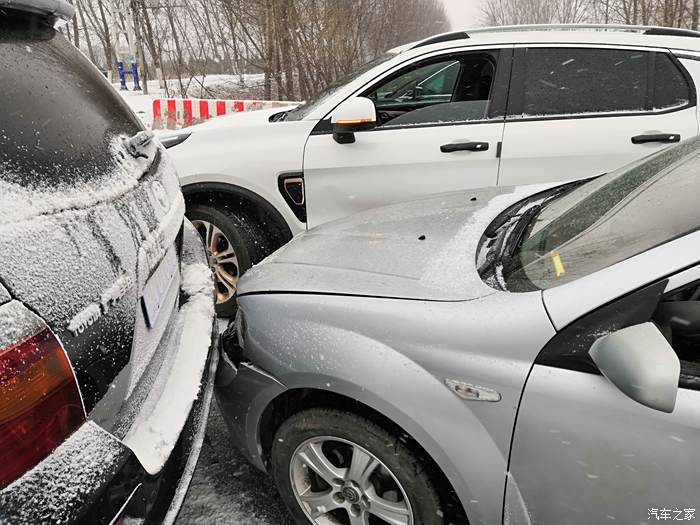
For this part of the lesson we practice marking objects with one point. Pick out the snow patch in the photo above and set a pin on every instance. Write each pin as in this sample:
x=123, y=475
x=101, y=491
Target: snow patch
x=196, y=279
x=21, y=202
x=57, y=488
x=155, y=432
x=450, y=266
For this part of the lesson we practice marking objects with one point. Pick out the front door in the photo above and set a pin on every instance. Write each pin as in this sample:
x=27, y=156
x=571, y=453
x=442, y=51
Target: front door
x=583, y=452
x=440, y=122
x=578, y=112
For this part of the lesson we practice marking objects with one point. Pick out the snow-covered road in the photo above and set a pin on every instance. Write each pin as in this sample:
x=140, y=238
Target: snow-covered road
x=226, y=489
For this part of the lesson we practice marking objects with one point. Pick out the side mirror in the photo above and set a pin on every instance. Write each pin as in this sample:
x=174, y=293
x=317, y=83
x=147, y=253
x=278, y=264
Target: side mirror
x=640, y=362
x=355, y=114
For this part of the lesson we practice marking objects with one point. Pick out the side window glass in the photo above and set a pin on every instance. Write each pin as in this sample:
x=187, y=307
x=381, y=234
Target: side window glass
x=670, y=86
x=570, y=81
x=678, y=318
x=454, y=90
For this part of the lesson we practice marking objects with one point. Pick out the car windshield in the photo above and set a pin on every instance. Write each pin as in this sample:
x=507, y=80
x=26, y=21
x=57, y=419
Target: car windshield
x=609, y=219
x=301, y=112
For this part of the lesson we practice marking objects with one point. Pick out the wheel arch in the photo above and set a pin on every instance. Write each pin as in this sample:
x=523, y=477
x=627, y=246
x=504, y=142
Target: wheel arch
x=256, y=207
x=295, y=400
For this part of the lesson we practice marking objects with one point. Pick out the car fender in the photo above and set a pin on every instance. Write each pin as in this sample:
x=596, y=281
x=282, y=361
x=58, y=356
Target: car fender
x=250, y=153
x=358, y=367
x=216, y=182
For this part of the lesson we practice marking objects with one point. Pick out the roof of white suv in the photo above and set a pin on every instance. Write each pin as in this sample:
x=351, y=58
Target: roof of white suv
x=627, y=35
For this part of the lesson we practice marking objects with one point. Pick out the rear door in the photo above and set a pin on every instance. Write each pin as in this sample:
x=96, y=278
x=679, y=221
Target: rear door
x=440, y=122
x=577, y=112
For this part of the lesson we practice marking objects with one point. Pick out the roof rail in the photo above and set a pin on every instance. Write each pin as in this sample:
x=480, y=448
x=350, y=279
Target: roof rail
x=55, y=10
x=443, y=37
x=648, y=30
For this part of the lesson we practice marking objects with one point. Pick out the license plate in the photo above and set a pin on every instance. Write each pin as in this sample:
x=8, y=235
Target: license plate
x=156, y=289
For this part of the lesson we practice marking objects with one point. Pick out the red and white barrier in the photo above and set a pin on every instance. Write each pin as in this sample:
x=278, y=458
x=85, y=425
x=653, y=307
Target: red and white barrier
x=174, y=113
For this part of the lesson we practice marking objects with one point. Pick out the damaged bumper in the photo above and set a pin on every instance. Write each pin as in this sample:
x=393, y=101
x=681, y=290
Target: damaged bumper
x=143, y=472
x=243, y=392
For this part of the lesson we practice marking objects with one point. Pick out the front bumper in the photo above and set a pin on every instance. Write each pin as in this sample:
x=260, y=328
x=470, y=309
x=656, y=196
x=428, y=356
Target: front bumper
x=243, y=392
x=96, y=478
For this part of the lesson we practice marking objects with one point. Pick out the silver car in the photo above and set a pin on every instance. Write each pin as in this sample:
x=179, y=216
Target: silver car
x=524, y=355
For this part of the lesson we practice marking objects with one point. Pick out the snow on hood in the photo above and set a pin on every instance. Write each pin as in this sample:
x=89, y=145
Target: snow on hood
x=424, y=249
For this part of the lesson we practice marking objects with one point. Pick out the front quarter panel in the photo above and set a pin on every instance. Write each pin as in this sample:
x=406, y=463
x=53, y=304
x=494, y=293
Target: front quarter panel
x=247, y=152
x=394, y=356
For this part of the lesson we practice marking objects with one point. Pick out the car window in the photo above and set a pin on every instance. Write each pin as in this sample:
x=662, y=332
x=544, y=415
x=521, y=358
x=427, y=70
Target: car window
x=571, y=81
x=585, y=231
x=65, y=117
x=678, y=318
x=452, y=90
x=671, y=89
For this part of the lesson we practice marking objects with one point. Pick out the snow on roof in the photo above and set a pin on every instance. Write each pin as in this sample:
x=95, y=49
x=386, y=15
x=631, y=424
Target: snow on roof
x=52, y=8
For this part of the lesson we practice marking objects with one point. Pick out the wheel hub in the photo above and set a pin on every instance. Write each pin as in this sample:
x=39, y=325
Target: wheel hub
x=338, y=482
x=222, y=259
x=351, y=493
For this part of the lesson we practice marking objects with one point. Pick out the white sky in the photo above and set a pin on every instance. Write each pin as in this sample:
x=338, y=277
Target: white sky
x=463, y=13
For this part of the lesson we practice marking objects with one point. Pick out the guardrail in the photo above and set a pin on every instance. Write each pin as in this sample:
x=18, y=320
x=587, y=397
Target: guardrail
x=175, y=113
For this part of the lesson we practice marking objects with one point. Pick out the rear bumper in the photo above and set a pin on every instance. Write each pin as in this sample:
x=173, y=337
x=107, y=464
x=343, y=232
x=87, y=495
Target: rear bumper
x=94, y=477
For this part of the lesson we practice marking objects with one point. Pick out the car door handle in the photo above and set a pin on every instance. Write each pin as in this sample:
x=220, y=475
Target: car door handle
x=666, y=138
x=464, y=146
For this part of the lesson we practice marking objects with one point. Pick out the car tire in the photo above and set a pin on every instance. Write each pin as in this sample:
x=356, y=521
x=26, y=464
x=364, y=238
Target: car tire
x=397, y=483
x=224, y=232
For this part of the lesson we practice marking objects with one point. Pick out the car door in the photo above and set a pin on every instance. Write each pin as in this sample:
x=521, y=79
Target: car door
x=577, y=112
x=584, y=452
x=454, y=99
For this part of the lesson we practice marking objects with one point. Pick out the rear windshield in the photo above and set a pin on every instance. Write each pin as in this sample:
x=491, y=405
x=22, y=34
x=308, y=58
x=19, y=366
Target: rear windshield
x=610, y=219
x=63, y=121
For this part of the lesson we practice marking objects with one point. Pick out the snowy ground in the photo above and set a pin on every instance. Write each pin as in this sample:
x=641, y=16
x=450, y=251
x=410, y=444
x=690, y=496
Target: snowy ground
x=226, y=489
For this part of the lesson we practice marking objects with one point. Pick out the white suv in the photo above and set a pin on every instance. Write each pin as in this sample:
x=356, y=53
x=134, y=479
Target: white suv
x=498, y=106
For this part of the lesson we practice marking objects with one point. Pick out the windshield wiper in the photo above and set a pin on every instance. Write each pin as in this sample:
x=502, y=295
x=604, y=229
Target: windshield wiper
x=516, y=237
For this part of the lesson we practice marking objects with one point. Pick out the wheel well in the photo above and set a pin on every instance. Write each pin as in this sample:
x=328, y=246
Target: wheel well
x=255, y=208
x=293, y=401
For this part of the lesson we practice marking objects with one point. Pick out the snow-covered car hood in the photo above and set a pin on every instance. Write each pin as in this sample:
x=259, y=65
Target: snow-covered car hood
x=423, y=249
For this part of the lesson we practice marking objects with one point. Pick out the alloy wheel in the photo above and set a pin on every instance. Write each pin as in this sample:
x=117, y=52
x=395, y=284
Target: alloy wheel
x=222, y=259
x=337, y=482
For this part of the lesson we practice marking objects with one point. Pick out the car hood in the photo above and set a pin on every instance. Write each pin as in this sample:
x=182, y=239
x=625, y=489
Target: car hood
x=241, y=119
x=423, y=249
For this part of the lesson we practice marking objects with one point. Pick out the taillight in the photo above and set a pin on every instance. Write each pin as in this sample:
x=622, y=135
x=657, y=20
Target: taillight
x=40, y=404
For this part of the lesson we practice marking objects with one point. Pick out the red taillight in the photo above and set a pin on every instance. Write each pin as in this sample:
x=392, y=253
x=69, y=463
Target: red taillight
x=40, y=405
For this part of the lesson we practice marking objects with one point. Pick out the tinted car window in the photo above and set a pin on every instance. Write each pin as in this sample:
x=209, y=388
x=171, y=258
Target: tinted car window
x=64, y=117
x=612, y=218
x=567, y=81
x=670, y=86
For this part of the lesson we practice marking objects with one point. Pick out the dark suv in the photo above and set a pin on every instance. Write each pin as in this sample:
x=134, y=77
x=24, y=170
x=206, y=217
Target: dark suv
x=106, y=300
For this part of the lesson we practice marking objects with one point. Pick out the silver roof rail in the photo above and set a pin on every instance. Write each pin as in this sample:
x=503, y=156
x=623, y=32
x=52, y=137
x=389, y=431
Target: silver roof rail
x=648, y=30
x=55, y=10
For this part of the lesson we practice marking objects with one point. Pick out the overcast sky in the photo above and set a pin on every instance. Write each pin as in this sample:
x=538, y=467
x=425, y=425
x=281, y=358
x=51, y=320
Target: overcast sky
x=463, y=13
